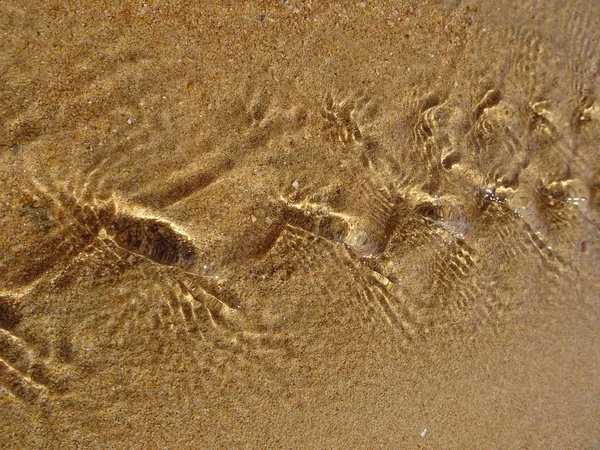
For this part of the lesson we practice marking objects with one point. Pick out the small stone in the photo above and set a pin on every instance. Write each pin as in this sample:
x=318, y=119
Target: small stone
x=456, y=84
x=253, y=218
x=295, y=184
x=15, y=148
x=130, y=120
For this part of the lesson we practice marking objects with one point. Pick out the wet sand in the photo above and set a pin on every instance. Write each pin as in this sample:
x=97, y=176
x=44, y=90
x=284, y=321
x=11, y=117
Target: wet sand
x=299, y=225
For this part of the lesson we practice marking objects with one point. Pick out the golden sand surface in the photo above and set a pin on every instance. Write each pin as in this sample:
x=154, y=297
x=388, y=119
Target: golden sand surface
x=300, y=224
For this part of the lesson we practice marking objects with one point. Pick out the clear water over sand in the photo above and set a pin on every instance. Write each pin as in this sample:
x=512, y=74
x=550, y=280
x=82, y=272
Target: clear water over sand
x=299, y=225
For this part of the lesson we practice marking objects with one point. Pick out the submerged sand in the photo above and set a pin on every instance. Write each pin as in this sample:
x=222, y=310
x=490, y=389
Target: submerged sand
x=299, y=224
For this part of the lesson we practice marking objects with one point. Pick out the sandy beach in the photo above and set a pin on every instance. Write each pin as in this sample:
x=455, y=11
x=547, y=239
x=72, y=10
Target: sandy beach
x=300, y=225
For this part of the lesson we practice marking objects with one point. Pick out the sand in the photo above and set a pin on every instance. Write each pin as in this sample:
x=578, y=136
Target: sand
x=299, y=224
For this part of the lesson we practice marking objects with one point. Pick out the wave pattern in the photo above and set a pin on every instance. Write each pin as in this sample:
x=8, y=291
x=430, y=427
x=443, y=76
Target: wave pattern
x=400, y=216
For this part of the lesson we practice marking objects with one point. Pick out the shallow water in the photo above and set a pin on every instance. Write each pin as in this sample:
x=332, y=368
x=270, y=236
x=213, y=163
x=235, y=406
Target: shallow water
x=300, y=225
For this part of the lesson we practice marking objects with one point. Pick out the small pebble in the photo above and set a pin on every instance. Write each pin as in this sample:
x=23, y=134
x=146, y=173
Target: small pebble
x=130, y=120
x=253, y=218
x=295, y=184
x=15, y=149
